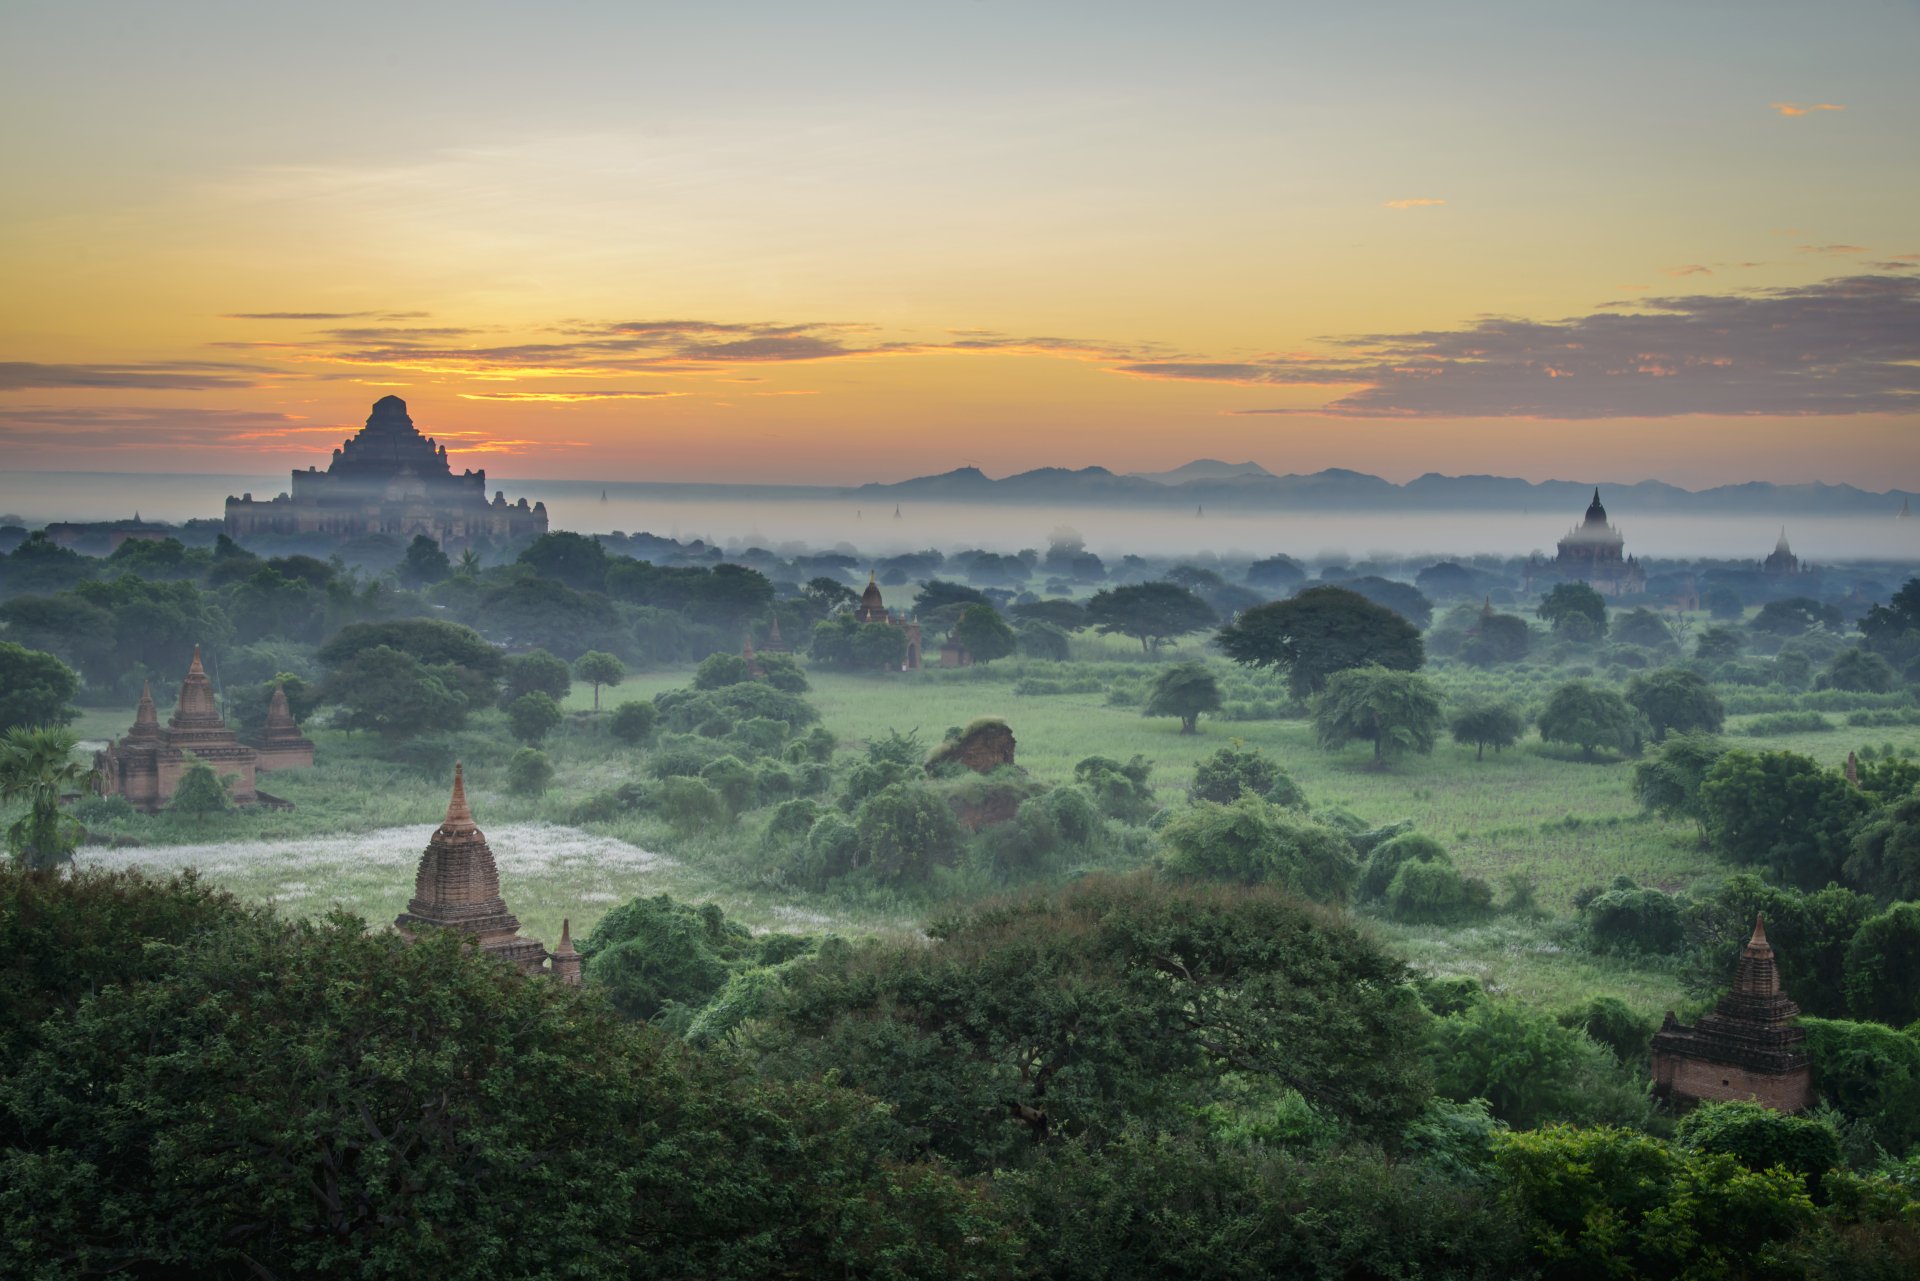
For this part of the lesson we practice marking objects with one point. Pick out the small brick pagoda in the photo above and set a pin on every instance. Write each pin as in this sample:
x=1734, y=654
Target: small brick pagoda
x=1747, y=1049
x=873, y=609
x=146, y=766
x=458, y=888
x=279, y=744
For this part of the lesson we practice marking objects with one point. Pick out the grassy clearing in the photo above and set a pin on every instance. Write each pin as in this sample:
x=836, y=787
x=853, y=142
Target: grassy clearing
x=363, y=816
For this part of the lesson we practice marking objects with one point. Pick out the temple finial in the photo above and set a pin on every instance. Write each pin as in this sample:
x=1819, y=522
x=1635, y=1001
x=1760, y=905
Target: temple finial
x=1759, y=938
x=458, y=815
x=195, y=665
x=566, y=936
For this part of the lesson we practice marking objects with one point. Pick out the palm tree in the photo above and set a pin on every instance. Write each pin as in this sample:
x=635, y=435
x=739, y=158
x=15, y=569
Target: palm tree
x=37, y=766
x=469, y=564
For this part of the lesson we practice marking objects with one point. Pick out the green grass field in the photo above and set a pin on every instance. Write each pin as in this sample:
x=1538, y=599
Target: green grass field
x=363, y=815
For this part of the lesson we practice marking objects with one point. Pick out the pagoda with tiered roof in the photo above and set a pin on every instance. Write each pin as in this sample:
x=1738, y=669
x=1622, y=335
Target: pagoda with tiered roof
x=457, y=887
x=1749, y=1048
x=388, y=479
x=146, y=766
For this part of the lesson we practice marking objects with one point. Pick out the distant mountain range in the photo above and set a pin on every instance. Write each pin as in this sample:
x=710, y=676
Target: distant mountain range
x=1248, y=487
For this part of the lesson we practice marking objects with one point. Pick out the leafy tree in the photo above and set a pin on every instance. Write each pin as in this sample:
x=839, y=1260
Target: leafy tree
x=546, y=613
x=1611, y=1022
x=940, y=593
x=716, y=671
x=249, y=1034
x=1861, y=671
x=1635, y=918
x=573, y=559
x=597, y=668
x=1892, y=630
x=984, y=634
x=425, y=564
x=1237, y=770
x=1276, y=573
x=1045, y=641
x=1522, y=1062
x=1321, y=631
x=1255, y=842
x=1644, y=628
x=1723, y=602
x=903, y=832
x=1121, y=791
x=201, y=794
x=1436, y=893
x=1760, y=1138
x=784, y=674
x=876, y=646
x=1871, y=1073
x=536, y=672
x=632, y=723
x=1782, y=811
x=1719, y=644
x=1152, y=613
x=392, y=694
x=533, y=716
x=429, y=641
x=41, y=565
x=77, y=632
x=34, y=688
x=730, y=777
x=1883, y=967
x=1609, y=1202
x=1403, y=599
x=1486, y=724
x=1568, y=601
x=1186, y=691
x=1591, y=718
x=1497, y=639
x=691, y=807
x=37, y=767
x=529, y=772
x=1810, y=933
x=1104, y=1005
x=1389, y=856
x=1067, y=615
x=1885, y=861
x=1669, y=783
x=1795, y=616
x=1677, y=698
x=1396, y=711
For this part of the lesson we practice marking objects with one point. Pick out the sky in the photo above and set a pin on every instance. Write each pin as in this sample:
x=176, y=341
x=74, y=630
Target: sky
x=837, y=243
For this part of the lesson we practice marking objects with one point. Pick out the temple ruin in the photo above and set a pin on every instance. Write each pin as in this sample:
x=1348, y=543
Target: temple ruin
x=279, y=743
x=146, y=766
x=388, y=479
x=458, y=888
x=874, y=610
x=1748, y=1049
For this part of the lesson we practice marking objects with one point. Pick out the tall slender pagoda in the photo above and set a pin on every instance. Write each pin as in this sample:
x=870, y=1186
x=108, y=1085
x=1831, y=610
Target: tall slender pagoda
x=1749, y=1047
x=458, y=888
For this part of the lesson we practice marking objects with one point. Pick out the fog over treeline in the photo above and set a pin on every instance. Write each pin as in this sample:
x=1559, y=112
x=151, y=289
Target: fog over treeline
x=867, y=525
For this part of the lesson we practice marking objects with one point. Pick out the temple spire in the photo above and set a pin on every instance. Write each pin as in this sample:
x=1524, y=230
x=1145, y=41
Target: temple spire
x=194, y=668
x=458, y=815
x=1759, y=938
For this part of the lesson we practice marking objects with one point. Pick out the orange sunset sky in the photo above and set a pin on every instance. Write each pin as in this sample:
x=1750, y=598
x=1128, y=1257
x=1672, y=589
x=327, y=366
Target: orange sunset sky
x=841, y=243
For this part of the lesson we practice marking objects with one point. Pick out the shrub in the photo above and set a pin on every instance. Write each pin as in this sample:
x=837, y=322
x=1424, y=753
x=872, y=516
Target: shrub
x=1761, y=1138
x=1254, y=842
x=1435, y=893
x=633, y=723
x=733, y=780
x=1609, y=1021
x=1233, y=771
x=1636, y=920
x=1121, y=791
x=1883, y=967
x=905, y=831
x=529, y=772
x=533, y=716
x=1387, y=858
x=690, y=805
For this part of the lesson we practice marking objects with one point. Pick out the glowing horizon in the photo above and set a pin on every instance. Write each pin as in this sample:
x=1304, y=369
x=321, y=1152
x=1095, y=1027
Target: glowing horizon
x=859, y=245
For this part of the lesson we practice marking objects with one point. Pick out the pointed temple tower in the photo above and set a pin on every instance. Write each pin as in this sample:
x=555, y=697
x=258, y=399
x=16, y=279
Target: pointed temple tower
x=279, y=744
x=873, y=609
x=458, y=888
x=146, y=766
x=1748, y=1048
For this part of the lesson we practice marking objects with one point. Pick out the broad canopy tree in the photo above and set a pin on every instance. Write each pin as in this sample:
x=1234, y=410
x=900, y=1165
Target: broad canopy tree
x=1677, y=699
x=1185, y=691
x=1152, y=613
x=1321, y=631
x=1396, y=711
x=1591, y=718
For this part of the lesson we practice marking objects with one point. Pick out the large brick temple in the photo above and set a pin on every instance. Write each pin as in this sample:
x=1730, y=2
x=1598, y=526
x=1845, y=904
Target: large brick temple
x=458, y=888
x=1593, y=552
x=388, y=479
x=1747, y=1049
